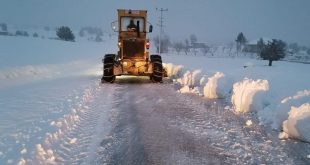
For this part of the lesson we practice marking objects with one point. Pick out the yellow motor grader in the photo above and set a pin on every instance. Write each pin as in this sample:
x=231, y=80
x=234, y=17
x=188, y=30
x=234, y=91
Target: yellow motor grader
x=133, y=57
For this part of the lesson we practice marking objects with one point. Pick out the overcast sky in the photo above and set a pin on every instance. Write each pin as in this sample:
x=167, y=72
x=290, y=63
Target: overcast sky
x=212, y=21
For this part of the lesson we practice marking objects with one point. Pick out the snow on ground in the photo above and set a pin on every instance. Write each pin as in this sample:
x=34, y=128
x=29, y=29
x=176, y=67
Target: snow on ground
x=269, y=91
x=275, y=115
x=297, y=124
x=248, y=95
x=217, y=86
x=37, y=59
x=47, y=88
x=44, y=84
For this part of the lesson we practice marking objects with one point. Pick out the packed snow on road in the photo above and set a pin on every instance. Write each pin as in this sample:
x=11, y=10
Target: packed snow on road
x=210, y=110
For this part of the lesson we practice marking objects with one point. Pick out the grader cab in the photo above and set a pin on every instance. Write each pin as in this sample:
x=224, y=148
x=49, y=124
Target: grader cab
x=133, y=57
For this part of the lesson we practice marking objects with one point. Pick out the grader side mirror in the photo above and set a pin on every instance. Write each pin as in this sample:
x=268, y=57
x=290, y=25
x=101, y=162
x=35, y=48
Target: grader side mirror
x=150, y=28
x=114, y=27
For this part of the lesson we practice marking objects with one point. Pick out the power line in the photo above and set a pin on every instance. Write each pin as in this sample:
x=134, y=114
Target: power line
x=161, y=24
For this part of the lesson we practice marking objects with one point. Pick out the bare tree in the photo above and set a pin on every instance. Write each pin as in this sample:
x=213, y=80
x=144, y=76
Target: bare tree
x=193, y=39
x=178, y=46
x=205, y=49
x=165, y=43
x=230, y=48
x=212, y=50
x=186, y=47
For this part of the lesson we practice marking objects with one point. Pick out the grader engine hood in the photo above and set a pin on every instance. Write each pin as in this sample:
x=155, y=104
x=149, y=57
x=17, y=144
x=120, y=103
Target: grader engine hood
x=133, y=48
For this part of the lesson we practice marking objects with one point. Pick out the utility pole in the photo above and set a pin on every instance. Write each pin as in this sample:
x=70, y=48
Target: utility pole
x=161, y=24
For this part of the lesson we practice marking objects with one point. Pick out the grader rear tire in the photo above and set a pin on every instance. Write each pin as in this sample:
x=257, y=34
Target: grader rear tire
x=157, y=75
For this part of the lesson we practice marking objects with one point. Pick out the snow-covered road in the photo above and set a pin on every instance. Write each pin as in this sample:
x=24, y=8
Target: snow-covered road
x=77, y=120
x=153, y=124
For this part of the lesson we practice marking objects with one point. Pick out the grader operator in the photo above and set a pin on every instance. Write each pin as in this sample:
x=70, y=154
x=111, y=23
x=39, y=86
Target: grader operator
x=133, y=57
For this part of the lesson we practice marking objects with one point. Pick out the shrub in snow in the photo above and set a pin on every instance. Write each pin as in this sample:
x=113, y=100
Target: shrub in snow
x=249, y=95
x=298, y=123
x=65, y=33
x=218, y=86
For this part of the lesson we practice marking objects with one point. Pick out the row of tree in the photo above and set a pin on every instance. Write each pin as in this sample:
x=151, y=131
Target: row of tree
x=63, y=32
x=272, y=50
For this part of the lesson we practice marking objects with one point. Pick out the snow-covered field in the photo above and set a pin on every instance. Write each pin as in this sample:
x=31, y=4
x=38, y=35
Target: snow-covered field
x=50, y=91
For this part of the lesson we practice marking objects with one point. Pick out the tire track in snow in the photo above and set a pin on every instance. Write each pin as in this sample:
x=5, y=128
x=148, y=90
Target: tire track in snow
x=79, y=134
x=156, y=125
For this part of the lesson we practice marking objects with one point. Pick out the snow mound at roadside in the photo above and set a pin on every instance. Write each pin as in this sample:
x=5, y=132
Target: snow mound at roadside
x=173, y=71
x=190, y=79
x=218, y=86
x=276, y=115
x=187, y=89
x=249, y=95
x=298, y=123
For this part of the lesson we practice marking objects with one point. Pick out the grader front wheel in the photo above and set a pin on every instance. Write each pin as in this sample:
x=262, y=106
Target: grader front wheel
x=108, y=66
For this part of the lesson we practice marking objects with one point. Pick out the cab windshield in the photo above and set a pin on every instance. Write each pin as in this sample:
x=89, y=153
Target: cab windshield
x=131, y=24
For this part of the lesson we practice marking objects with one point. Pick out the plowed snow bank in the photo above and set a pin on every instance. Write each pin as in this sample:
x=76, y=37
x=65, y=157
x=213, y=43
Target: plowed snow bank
x=249, y=95
x=276, y=115
x=297, y=124
x=218, y=86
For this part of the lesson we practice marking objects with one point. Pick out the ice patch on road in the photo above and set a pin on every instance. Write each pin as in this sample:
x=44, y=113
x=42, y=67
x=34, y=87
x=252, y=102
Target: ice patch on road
x=298, y=123
x=249, y=95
